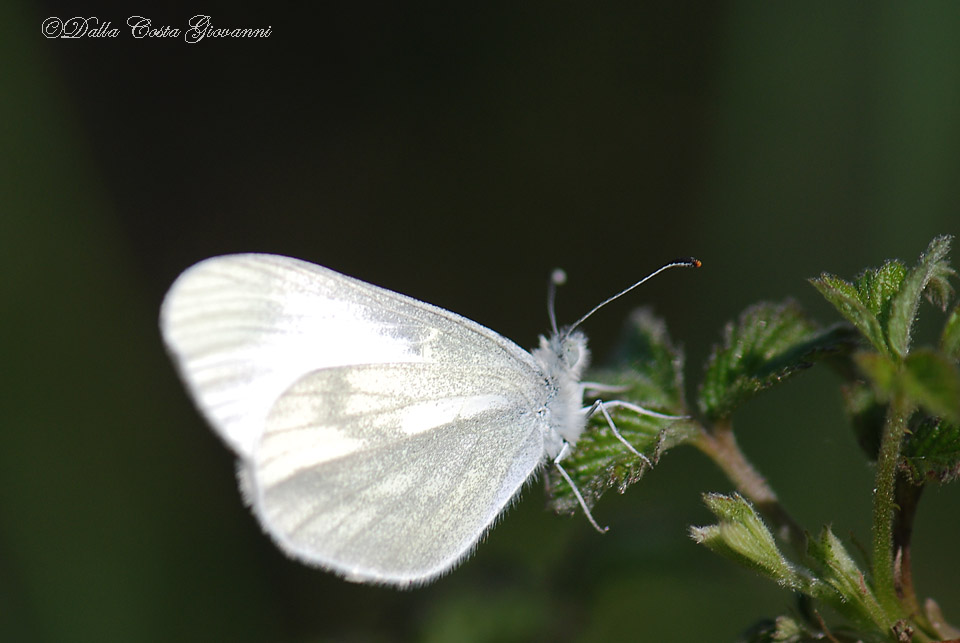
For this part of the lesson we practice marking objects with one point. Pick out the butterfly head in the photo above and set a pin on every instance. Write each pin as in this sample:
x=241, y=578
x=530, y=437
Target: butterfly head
x=565, y=352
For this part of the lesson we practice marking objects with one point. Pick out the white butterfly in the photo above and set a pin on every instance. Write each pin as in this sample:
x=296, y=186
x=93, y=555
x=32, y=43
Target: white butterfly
x=378, y=436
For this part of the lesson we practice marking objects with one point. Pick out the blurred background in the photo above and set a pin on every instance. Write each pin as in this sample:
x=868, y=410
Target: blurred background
x=457, y=155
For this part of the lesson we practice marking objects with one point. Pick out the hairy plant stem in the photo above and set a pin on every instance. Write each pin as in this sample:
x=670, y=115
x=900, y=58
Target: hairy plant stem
x=907, y=497
x=720, y=445
x=884, y=504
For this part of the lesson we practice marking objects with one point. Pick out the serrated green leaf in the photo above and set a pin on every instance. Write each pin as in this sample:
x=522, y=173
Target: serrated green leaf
x=769, y=343
x=743, y=537
x=933, y=382
x=939, y=290
x=600, y=462
x=877, y=287
x=840, y=582
x=846, y=299
x=645, y=348
x=931, y=452
x=950, y=338
x=930, y=277
x=883, y=304
x=648, y=371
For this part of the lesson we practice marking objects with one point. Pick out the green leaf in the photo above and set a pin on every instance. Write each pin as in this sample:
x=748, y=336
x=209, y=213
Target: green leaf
x=769, y=343
x=930, y=277
x=648, y=371
x=933, y=382
x=926, y=378
x=867, y=415
x=789, y=630
x=645, y=348
x=743, y=537
x=883, y=304
x=833, y=577
x=880, y=370
x=847, y=300
x=877, y=287
x=785, y=629
x=841, y=583
x=950, y=339
x=931, y=452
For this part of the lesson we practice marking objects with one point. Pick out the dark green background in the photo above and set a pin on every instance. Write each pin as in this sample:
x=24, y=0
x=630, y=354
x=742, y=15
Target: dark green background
x=456, y=155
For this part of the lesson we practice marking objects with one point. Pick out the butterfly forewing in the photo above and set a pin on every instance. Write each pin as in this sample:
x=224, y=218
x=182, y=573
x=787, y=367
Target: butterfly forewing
x=244, y=328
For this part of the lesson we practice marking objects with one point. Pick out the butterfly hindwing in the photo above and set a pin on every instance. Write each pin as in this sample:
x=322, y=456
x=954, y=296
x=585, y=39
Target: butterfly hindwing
x=392, y=472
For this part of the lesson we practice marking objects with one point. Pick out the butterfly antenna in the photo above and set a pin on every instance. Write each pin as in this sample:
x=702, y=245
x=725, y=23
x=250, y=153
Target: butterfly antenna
x=557, y=278
x=685, y=262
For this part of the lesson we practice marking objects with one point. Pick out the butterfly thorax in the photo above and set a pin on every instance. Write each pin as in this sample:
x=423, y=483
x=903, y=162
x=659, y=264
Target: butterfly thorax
x=562, y=357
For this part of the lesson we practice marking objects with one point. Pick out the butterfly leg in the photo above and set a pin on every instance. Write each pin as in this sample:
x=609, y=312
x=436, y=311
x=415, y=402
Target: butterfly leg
x=588, y=388
x=601, y=406
x=639, y=410
x=576, y=492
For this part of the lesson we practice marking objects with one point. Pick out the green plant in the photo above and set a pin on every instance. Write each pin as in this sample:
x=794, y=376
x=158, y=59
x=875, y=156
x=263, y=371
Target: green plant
x=904, y=407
